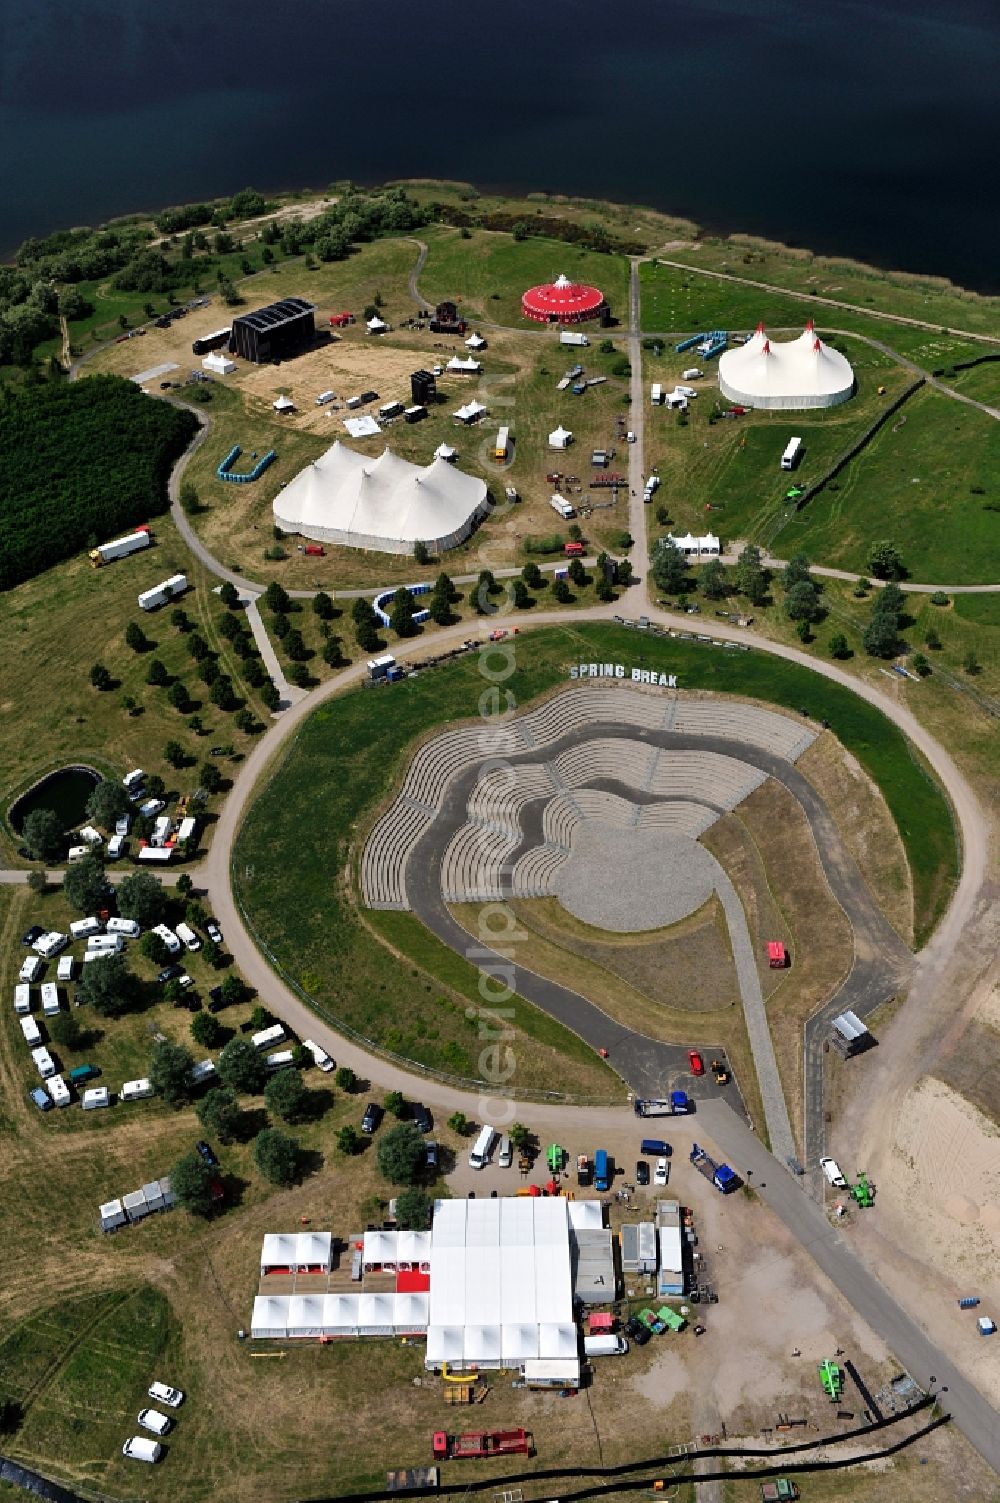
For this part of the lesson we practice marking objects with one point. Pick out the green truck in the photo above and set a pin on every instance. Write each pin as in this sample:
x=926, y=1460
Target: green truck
x=778, y=1490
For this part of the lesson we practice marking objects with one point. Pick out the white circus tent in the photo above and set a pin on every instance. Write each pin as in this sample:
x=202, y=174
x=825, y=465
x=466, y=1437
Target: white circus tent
x=385, y=504
x=802, y=373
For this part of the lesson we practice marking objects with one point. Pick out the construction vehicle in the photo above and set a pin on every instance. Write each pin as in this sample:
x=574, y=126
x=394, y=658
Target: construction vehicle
x=524, y=1163
x=555, y=1157
x=832, y=1380
x=720, y=1072
x=482, y=1443
x=721, y=1176
x=863, y=1193
x=584, y=1170
x=678, y=1104
x=778, y=1490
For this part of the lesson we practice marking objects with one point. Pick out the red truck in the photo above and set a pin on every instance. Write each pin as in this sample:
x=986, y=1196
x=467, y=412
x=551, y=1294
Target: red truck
x=573, y=550
x=482, y=1443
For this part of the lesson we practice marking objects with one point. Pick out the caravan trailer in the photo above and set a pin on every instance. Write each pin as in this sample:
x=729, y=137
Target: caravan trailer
x=792, y=454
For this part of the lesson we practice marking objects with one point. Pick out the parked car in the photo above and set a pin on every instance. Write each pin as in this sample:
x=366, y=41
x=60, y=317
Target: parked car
x=372, y=1117
x=41, y=1098
x=641, y=1172
x=30, y=935
x=431, y=1155
x=169, y=973
x=137, y=1446
x=833, y=1172
x=206, y=1152
x=164, y=1394
x=661, y=1172
x=422, y=1116
x=214, y=932
x=215, y=1001
x=696, y=1062
x=152, y=1419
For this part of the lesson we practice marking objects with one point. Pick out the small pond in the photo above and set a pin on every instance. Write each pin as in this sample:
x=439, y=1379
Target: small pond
x=66, y=792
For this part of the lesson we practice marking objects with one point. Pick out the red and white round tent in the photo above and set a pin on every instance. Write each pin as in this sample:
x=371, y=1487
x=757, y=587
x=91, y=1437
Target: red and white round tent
x=562, y=302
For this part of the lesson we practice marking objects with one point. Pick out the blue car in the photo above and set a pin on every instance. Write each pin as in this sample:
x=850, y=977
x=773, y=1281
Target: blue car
x=41, y=1098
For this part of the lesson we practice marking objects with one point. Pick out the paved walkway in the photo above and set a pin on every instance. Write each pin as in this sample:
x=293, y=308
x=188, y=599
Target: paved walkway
x=290, y=693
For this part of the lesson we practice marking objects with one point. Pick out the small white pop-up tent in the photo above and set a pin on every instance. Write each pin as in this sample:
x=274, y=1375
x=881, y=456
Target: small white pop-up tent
x=467, y=367
x=376, y=325
x=410, y=1314
x=219, y=362
x=475, y=342
x=283, y=404
x=471, y=412
x=560, y=438
x=445, y=451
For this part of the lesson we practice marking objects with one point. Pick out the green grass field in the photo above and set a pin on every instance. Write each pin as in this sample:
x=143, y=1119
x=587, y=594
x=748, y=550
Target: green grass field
x=310, y=820
x=487, y=273
x=925, y=483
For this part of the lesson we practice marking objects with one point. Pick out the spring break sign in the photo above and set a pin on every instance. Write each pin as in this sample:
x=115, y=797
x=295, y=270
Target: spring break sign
x=619, y=670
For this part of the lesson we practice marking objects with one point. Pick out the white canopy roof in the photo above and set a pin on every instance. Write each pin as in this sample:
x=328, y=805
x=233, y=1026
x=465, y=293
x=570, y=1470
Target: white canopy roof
x=270, y=1315
x=413, y=1247
x=305, y=1315
x=560, y=437
x=283, y=404
x=688, y=543
x=444, y=1344
x=296, y=1250
x=375, y=1312
x=519, y=1343
x=219, y=361
x=445, y=451
x=376, y=325
x=585, y=1215
x=475, y=342
x=340, y=1314
x=386, y=504
x=278, y=1250
x=362, y=427
x=467, y=367
x=801, y=373
x=557, y=1340
x=470, y=412
x=410, y=1312
x=379, y=1247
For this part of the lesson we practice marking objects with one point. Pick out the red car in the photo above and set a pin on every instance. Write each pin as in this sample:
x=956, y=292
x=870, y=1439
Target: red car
x=696, y=1062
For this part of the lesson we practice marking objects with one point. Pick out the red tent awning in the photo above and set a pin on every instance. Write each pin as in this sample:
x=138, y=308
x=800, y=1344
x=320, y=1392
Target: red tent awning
x=562, y=302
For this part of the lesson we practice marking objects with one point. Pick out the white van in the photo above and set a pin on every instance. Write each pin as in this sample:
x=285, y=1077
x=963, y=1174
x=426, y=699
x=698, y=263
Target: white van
x=136, y=1090
x=169, y=938
x=116, y=846
x=105, y=944
x=128, y=927
x=831, y=1169
x=96, y=1097
x=66, y=969
x=31, y=1031
x=43, y=1062
x=269, y=1036
x=83, y=928
x=152, y=1419
x=134, y=779
x=202, y=1072
x=482, y=1148
x=141, y=1449
x=280, y=1059
x=187, y=937
x=58, y=1090
x=321, y=1059
x=151, y=807
x=605, y=1346
x=31, y=968
x=22, y=999
x=50, y=999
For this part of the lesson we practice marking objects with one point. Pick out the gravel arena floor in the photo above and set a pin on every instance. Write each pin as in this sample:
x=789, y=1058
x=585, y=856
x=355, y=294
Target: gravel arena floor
x=629, y=880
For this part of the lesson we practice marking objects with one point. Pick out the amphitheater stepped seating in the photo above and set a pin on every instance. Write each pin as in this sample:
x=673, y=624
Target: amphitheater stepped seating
x=387, y=849
x=534, y=874
x=502, y=792
x=678, y=816
x=705, y=776
x=471, y=865
x=438, y=760
x=767, y=729
x=595, y=803
x=627, y=761
x=558, y=818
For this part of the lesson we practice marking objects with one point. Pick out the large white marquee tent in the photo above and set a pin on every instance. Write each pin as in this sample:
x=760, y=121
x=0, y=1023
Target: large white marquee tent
x=800, y=374
x=384, y=504
x=501, y=1288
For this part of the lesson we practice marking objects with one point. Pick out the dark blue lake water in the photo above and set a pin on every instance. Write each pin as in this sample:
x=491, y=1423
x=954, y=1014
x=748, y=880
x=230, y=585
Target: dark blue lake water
x=867, y=129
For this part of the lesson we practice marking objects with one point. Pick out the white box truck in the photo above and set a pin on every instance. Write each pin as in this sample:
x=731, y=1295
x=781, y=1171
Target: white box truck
x=149, y=600
x=562, y=506
x=567, y=336
x=656, y=394
x=792, y=453
x=121, y=547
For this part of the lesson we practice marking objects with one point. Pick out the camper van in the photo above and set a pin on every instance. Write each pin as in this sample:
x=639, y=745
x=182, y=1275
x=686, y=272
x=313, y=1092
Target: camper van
x=321, y=1059
x=50, y=999
x=136, y=1090
x=602, y=1171
x=128, y=927
x=22, y=999
x=482, y=1148
x=50, y=944
x=105, y=944
x=31, y=1032
x=187, y=937
x=66, y=969
x=169, y=938
x=83, y=928
x=281, y=1059
x=58, y=1090
x=31, y=968
x=605, y=1345
x=268, y=1036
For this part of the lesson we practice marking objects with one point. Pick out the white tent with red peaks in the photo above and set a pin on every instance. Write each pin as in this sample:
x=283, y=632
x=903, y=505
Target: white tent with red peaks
x=801, y=373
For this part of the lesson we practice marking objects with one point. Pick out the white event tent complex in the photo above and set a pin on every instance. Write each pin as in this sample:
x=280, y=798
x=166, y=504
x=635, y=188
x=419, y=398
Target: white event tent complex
x=501, y=1286
x=800, y=374
x=385, y=504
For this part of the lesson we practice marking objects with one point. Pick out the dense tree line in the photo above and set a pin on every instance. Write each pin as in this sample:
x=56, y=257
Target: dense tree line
x=80, y=464
x=588, y=236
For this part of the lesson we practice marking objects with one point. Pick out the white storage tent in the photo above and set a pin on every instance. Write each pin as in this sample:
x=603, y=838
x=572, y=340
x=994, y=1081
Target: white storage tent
x=557, y=1340
x=470, y=412
x=375, y=1312
x=483, y=1346
x=305, y=1315
x=445, y=451
x=340, y=1314
x=413, y=1249
x=379, y=1249
x=560, y=438
x=385, y=504
x=314, y=1250
x=467, y=367
x=519, y=1343
x=270, y=1316
x=585, y=1215
x=444, y=1344
x=277, y=1251
x=410, y=1313
x=803, y=373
